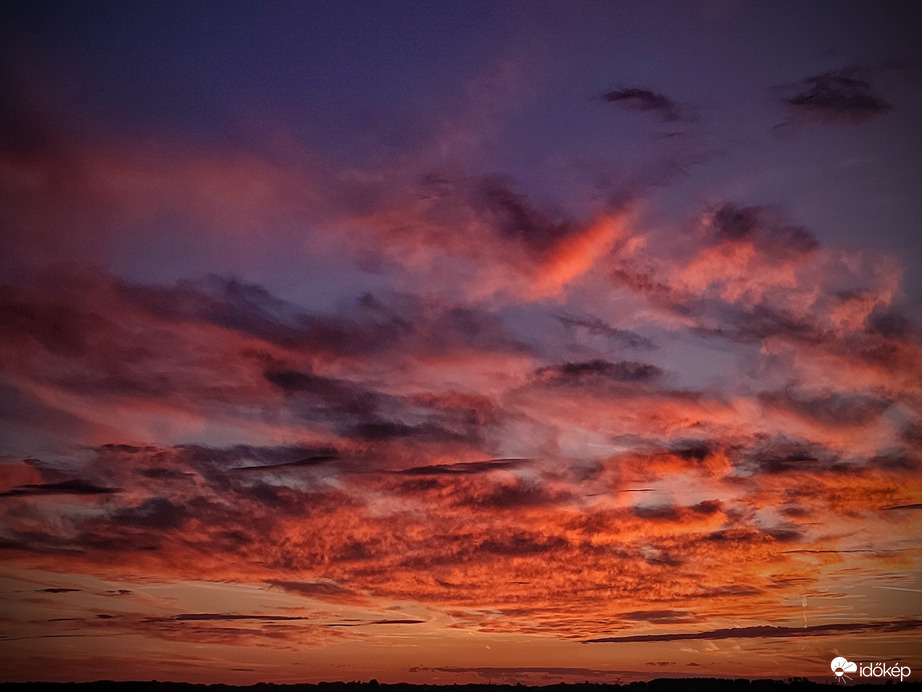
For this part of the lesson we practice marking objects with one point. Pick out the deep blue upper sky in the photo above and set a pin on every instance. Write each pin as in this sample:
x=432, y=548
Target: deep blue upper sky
x=371, y=84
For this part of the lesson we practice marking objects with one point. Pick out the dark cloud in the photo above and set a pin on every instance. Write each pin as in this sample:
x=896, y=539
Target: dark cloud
x=127, y=449
x=57, y=326
x=54, y=590
x=294, y=382
x=230, y=616
x=73, y=487
x=596, y=371
x=513, y=217
x=703, y=281
x=222, y=468
x=762, y=227
x=780, y=455
x=763, y=321
x=754, y=536
x=364, y=328
x=377, y=622
x=660, y=616
x=324, y=590
x=832, y=408
x=165, y=474
x=465, y=468
x=213, y=461
x=519, y=493
x=305, y=462
x=160, y=330
x=770, y=631
x=331, y=394
x=644, y=100
x=250, y=309
x=385, y=430
x=858, y=551
x=36, y=542
x=155, y=513
x=837, y=97
x=473, y=329
x=693, y=450
x=523, y=544
x=620, y=337
x=890, y=324
x=664, y=512
x=657, y=512
x=658, y=292
x=733, y=222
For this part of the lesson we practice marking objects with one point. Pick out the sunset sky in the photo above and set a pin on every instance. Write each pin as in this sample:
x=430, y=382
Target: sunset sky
x=459, y=341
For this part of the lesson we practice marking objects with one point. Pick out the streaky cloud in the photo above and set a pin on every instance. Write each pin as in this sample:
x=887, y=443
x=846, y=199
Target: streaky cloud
x=465, y=468
x=598, y=370
x=771, y=631
x=640, y=99
x=72, y=487
x=840, y=96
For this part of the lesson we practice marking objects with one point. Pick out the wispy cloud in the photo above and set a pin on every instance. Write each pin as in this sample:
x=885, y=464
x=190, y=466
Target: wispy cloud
x=841, y=96
x=773, y=632
x=74, y=487
x=636, y=98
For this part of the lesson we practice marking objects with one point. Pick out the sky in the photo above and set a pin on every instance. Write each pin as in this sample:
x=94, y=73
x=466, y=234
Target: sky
x=459, y=342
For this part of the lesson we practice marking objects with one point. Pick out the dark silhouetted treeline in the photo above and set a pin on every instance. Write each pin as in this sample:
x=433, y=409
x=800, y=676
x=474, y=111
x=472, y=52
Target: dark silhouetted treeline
x=660, y=685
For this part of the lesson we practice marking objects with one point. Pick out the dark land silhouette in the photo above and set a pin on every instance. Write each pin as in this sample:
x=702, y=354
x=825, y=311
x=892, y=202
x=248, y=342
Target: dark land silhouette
x=658, y=685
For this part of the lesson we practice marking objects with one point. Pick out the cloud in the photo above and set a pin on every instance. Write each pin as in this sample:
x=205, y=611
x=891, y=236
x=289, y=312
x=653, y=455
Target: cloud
x=780, y=454
x=160, y=345
x=465, y=467
x=72, y=487
x=644, y=100
x=621, y=337
x=322, y=590
x=305, y=462
x=597, y=371
x=156, y=513
x=231, y=616
x=771, y=631
x=57, y=590
x=841, y=96
x=480, y=442
x=522, y=544
x=733, y=223
x=517, y=412
x=481, y=237
x=828, y=408
x=669, y=617
x=511, y=494
x=378, y=622
x=513, y=217
x=745, y=274
x=498, y=531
